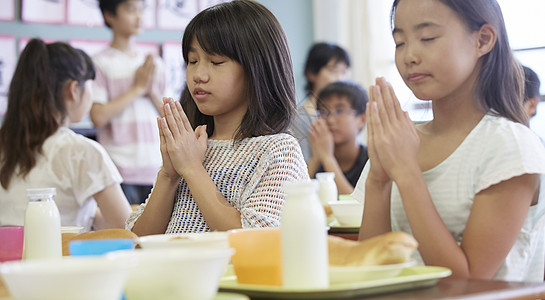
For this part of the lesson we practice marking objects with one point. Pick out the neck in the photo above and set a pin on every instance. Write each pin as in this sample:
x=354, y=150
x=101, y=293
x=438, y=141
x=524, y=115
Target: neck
x=346, y=153
x=122, y=43
x=225, y=128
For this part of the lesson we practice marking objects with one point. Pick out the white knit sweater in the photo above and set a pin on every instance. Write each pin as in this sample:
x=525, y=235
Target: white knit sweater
x=249, y=174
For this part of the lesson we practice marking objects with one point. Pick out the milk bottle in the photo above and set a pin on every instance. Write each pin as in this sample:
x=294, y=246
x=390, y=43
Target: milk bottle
x=305, y=259
x=42, y=225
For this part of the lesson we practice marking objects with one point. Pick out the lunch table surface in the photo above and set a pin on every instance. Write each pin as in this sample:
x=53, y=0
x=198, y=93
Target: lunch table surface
x=448, y=288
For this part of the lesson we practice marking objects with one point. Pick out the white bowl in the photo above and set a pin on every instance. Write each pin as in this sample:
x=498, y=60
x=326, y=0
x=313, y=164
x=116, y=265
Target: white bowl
x=68, y=278
x=214, y=239
x=341, y=274
x=175, y=273
x=347, y=212
x=71, y=229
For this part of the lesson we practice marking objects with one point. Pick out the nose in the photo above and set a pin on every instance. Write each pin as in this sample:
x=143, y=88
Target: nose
x=411, y=55
x=200, y=73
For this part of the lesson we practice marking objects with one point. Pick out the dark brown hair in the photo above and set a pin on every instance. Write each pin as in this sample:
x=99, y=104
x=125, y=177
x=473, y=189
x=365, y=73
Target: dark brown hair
x=248, y=33
x=500, y=86
x=36, y=106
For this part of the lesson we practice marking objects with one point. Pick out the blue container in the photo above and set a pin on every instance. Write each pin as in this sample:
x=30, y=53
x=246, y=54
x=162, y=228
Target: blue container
x=99, y=247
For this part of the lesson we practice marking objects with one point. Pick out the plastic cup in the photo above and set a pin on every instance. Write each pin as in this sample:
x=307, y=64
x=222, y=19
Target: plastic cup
x=11, y=243
x=258, y=255
x=99, y=246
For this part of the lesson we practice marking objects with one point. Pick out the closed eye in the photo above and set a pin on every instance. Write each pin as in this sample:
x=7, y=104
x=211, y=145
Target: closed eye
x=428, y=39
x=399, y=45
x=217, y=63
x=192, y=62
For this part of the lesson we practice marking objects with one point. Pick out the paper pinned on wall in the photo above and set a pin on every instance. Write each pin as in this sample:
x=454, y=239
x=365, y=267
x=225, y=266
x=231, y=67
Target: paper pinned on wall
x=84, y=13
x=8, y=61
x=175, y=14
x=43, y=11
x=174, y=69
x=7, y=13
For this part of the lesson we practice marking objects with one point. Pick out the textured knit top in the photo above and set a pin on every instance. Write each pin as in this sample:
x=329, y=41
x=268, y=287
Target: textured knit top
x=494, y=151
x=249, y=174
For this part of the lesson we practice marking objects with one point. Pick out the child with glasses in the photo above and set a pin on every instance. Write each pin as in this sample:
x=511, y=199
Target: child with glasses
x=334, y=134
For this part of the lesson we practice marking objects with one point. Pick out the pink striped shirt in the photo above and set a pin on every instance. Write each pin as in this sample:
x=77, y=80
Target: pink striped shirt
x=131, y=138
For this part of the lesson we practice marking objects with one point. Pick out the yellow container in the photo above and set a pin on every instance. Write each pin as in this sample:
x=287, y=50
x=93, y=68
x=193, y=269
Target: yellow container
x=258, y=255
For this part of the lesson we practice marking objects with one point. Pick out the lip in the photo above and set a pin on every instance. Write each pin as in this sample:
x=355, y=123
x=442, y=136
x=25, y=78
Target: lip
x=200, y=94
x=416, y=77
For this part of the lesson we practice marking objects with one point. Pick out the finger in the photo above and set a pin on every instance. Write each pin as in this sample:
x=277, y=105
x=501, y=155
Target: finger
x=202, y=135
x=184, y=118
x=171, y=121
x=167, y=134
x=395, y=102
x=384, y=102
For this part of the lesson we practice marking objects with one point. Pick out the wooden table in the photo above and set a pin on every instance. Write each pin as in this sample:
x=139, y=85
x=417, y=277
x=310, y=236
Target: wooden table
x=473, y=290
x=452, y=289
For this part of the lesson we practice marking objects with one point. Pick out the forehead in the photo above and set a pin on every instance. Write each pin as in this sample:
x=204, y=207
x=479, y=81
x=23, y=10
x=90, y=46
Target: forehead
x=131, y=3
x=335, y=101
x=418, y=14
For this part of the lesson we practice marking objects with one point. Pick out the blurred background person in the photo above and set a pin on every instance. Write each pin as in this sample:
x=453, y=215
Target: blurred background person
x=51, y=87
x=325, y=63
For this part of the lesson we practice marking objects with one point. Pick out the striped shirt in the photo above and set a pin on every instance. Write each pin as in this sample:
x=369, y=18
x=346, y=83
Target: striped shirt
x=495, y=150
x=131, y=138
x=249, y=174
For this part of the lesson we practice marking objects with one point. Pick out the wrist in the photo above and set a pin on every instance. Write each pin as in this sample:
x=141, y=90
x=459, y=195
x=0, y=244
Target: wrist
x=172, y=178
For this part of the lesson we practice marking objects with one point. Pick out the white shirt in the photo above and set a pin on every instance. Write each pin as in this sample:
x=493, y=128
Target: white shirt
x=73, y=164
x=495, y=150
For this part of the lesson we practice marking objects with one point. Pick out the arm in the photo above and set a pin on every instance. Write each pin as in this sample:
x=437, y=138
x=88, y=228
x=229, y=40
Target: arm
x=495, y=218
x=186, y=148
x=114, y=208
x=102, y=113
x=323, y=152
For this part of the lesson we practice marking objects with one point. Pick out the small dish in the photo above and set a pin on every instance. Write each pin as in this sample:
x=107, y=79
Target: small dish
x=71, y=229
x=346, y=274
x=214, y=239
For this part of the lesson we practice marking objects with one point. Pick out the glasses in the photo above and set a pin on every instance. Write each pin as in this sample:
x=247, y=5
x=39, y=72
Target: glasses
x=336, y=113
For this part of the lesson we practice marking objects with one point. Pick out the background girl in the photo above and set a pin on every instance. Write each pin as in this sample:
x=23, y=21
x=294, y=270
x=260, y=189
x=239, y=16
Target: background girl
x=466, y=183
x=50, y=88
x=228, y=171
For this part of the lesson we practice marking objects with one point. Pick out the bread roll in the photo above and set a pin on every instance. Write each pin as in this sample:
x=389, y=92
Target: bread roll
x=389, y=248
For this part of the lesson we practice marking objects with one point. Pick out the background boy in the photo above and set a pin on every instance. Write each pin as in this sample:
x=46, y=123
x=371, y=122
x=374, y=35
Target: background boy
x=531, y=91
x=334, y=135
x=127, y=93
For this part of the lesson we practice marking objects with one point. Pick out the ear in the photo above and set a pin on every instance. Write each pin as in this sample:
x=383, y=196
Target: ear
x=486, y=39
x=310, y=76
x=531, y=106
x=71, y=91
x=108, y=16
x=361, y=119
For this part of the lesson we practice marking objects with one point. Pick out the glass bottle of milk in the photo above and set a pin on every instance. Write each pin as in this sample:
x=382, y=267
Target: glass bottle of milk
x=327, y=192
x=42, y=225
x=305, y=260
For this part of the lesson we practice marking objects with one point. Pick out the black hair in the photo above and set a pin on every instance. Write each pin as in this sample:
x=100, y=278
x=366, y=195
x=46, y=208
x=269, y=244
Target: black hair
x=36, y=107
x=357, y=96
x=248, y=33
x=319, y=56
x=109, y=6
x=531, y=84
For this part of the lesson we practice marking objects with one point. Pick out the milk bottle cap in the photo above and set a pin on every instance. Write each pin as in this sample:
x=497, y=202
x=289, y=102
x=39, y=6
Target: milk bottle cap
x=40, y=193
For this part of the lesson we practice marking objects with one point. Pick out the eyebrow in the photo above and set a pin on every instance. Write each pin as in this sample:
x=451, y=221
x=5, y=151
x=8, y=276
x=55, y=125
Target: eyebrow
x=417, y=27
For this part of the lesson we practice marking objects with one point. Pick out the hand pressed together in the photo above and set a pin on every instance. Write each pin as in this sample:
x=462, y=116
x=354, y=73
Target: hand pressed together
x=182, y=148
x=321, y=140
x=393, y=141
